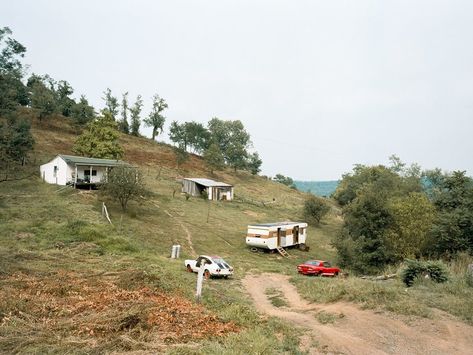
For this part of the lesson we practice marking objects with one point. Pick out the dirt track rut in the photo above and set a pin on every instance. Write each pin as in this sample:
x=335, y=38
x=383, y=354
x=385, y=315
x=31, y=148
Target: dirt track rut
x=357, y=331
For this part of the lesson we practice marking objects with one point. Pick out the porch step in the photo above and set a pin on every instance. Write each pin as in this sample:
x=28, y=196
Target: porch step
x=282, y=252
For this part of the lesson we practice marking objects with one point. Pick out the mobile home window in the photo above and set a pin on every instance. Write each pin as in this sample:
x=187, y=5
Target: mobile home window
x=55, y=170
x=87, y=172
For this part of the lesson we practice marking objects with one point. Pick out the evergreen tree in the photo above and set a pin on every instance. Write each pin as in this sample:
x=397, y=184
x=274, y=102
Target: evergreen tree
x=82, y=112
x=155, y=118
x=135, y=112
x=100, y=139
x=111, y=103
x=453, y=228
x=64, y=103
x=123, y=124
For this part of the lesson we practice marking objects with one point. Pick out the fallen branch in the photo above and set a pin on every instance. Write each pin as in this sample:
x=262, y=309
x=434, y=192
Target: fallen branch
x=380, y=278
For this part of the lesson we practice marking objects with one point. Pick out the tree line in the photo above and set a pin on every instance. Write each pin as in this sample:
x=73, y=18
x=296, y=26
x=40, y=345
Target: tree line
x=393, y=213
x=222, y=143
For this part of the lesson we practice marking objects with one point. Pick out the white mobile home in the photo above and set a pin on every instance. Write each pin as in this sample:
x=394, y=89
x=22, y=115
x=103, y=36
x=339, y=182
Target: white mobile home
x=215, y=190
x=275, y=235
x=77, y=171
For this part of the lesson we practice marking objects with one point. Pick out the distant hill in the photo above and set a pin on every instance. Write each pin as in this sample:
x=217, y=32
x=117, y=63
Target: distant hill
x=319, y=188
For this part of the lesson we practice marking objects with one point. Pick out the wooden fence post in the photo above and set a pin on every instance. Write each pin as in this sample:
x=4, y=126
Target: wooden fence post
x=200, y=279
x=104, y=211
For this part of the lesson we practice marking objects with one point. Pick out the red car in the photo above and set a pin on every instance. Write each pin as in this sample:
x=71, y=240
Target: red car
x=318, y=268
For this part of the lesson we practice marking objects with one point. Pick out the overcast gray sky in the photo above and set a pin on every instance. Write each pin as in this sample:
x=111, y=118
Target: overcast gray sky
x=320, y=85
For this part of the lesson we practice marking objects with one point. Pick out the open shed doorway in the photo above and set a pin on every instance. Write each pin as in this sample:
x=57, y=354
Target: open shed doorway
x=295, y=234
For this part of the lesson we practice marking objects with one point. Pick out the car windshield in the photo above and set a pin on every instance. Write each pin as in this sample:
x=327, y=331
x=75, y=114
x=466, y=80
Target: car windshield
x=221, y=263
x=312, y=262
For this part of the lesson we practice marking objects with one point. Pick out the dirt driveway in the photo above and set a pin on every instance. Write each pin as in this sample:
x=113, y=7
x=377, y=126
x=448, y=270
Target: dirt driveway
x=355, y=331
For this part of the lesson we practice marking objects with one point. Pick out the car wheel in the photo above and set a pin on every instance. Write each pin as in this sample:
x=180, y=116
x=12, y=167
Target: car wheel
x=207, y=274
x=336, y=274
x=189, y=269
x=225, y=276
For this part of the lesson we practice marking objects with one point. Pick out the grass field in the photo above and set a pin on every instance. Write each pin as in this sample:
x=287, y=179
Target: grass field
x=96, y=285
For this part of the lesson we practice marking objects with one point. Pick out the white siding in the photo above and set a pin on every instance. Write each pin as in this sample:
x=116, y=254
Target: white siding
x=60, y=176
x=271, y=243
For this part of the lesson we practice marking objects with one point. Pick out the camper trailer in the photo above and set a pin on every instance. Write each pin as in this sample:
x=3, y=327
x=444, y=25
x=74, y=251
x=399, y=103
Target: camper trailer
x=276, y=235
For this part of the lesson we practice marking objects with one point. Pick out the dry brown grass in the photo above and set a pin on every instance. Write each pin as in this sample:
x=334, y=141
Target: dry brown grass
x=99, y=309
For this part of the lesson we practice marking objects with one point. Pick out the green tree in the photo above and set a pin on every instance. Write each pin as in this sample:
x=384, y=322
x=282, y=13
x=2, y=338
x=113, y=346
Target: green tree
x=135, y=112
x=412, y=216
x=362, y=244
x=64, y=103
x=16, y=142
x=237, y=156
x=111, y=103
x=190, y=135
x=213, y=158
x=123, y=124
x=374, y=199
x=232, y=139
x=285, y=180
x=315, y=208
x=177, y=134
x=396, y=164
x=43, y=98
x=13, y=92
x=181, y=156
x=155, y=118
x=254, y=163
x=100, y=139
x=197, y=136
x=82, y=112
x=124, y=184
x=453, y=228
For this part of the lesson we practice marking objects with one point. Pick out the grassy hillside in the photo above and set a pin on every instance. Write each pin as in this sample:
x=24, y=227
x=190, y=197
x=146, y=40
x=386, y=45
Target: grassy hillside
x=69, y=281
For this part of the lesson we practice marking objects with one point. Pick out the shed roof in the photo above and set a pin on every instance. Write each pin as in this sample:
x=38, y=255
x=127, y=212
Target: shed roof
x=71, y=159
x=276, y=224
x=208, y=182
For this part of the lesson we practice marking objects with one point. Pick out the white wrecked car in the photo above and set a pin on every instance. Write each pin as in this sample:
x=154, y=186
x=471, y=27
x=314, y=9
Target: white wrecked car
x=214, y=266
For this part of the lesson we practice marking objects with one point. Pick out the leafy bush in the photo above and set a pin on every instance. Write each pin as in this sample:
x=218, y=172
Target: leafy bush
x=315, y=209
x=436, y=270
x=124, y=183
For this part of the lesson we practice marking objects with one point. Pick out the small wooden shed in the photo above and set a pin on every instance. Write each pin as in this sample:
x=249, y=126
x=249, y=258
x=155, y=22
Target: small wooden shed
x=215, y=190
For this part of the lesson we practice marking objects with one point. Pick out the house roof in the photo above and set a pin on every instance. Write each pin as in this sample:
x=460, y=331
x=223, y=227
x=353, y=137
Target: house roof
x=71, y=159
x=208, y=182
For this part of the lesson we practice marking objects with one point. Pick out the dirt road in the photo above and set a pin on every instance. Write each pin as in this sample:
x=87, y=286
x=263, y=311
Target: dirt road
x=355, y=331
